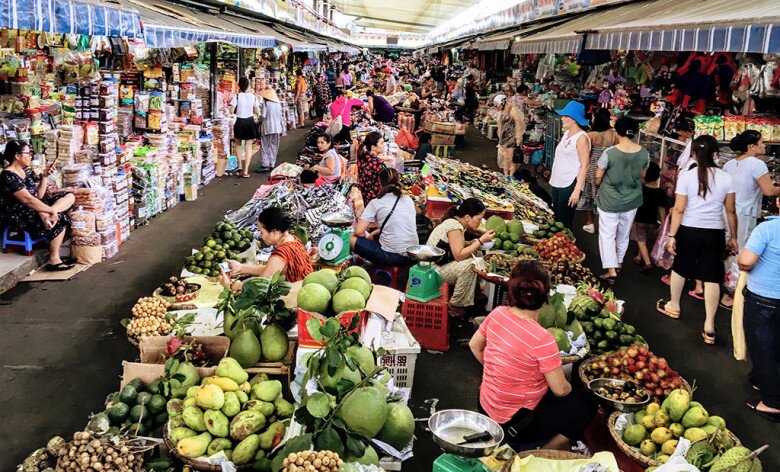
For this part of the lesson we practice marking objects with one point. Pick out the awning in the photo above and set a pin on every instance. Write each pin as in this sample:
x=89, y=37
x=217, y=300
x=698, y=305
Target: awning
x=498, y=41
x=298, y=41
x=693, y=25
x=70, y=17
x=169, y=25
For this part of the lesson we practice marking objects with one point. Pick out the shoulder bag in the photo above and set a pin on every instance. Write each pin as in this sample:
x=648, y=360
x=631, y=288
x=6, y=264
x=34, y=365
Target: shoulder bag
x=387, y=218
x=336, y=123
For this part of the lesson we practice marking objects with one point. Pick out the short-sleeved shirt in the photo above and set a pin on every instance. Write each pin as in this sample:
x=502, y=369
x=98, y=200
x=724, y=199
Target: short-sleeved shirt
x=400, y=231
x=652, y=200
x=245, y=104
x=517, y=355
x=765, y=241
x=621, y=187
x=439, y=233
x=704, y=212
x=745, y=174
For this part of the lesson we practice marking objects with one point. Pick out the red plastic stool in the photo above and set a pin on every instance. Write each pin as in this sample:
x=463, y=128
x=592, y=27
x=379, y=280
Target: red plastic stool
x=393, y=277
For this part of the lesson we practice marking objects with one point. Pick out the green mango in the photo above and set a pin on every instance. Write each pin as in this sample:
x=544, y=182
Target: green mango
x=270, y=437
x=174, y=407
x=193, y=417
x=245, y=451
x=232, y=405
x=218, y=444
x=266, y=408
x=194, y=446
x=230, y=368
x=177, y=434
x=242, y=397
x=283, y=408
x=267, y=391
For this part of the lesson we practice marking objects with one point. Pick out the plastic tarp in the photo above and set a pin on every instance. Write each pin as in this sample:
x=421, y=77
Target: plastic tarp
x=168, y=25
x=693, y=25
x=70, y=17
x=503, y=40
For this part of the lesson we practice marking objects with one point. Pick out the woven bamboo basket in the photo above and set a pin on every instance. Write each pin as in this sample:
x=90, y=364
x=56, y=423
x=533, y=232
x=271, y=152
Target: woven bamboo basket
x=575, y=358
x=195, y=464
x=633, y=452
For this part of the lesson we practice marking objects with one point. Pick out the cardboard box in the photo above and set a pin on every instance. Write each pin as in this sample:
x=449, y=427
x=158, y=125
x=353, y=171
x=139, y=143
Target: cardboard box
x=153, y=348
x=442, y=127
x=151, y=372
x=445, y=139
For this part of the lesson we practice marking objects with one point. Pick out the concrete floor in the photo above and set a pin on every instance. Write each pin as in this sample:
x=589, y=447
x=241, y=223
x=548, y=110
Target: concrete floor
x=63, y=346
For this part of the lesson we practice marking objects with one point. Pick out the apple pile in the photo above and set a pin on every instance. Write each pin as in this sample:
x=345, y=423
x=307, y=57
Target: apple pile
x=638, y=364
x=558, y=247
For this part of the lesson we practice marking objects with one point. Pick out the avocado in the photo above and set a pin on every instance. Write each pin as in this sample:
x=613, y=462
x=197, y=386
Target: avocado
x=156, y=404
x=128, y=395
x=154, y=387
x=118, y=412
x=143, y=398
x=138, y=413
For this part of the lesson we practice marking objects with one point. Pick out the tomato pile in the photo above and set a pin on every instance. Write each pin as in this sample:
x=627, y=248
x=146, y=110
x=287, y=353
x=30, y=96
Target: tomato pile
x=557, y=247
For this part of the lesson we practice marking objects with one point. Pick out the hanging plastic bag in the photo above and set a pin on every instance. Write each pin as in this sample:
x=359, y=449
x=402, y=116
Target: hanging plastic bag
x=660, y=255
x=732, y=274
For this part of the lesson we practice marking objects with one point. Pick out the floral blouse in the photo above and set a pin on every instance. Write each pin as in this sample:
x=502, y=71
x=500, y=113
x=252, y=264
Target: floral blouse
x=369, y=167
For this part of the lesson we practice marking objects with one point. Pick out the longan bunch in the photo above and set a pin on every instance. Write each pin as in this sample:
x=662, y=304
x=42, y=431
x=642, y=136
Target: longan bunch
x=88, y=453
x=149, y=318
x=311, y=461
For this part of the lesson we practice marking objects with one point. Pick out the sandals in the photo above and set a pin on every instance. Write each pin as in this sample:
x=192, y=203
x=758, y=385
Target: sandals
x=725, y=307
x=660, y=307
x=610, y=279
x=709, y=339
x=645, y=268
x=60, y=267
x=774, y=417
x=697, y=296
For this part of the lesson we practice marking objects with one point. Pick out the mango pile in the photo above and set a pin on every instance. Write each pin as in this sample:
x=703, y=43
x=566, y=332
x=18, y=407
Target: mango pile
x=658, y=428
x=242, y=418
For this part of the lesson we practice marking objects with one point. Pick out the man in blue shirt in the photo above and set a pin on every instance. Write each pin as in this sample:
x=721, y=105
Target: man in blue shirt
x=761, y=257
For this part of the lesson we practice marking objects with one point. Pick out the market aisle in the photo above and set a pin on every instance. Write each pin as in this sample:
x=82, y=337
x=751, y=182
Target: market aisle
x=62, y=345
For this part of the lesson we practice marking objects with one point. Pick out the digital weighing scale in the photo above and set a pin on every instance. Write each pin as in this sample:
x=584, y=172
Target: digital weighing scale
x=334, y=246
x=424, y=280
x=465, y=436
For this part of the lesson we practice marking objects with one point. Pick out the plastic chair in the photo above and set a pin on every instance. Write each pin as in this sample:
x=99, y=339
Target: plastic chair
x=27, y=242
x=393, y=277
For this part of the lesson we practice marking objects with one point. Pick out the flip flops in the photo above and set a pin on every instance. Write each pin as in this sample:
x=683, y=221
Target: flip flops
x=697, y=296
x=774, y=417
x=645, y=268
x=60, y=267
x=709, y=339
x=660, y=307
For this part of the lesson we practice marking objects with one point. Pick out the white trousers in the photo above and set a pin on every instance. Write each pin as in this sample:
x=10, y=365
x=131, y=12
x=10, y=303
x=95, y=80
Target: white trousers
x=614, y=230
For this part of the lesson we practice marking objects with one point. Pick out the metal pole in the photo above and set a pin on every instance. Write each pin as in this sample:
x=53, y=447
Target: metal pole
x=212, y=48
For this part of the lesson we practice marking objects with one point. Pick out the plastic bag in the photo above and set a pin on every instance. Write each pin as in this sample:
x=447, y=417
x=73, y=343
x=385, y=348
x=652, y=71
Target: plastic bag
x=660, y=255
x=406, y=139
x=732, y=274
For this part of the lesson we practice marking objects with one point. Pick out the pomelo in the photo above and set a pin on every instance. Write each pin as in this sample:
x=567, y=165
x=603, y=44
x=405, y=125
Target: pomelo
x=356, y=283
x=364, y=358
x=314, y=298
x=399, y=426
x=495, y=223
x=344, y=372
x=364, y=411
x=515, y=227
x=370, y=457
x=357, y=271
x=348, y=299
x=325, y=277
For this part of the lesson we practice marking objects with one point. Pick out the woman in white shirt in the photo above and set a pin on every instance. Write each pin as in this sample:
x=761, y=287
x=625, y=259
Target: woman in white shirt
x=697, y=232
x=570, y=167
x=751, y=180
x=395, y=217
x=330, y=166
x=245, y=106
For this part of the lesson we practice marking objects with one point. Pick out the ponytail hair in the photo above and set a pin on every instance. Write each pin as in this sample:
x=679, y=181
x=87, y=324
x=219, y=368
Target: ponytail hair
x=740, y=142
x=369, y=142
x=390, y=180
x=704, y=149
x=529, y=285
x=468, y=207
x=12, y=148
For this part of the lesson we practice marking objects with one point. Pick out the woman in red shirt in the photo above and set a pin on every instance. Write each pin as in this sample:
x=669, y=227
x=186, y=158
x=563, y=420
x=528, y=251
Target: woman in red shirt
x=523, y=385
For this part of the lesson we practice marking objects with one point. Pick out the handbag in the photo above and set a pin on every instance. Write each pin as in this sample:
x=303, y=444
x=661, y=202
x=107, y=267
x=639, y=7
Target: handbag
x=336, y=123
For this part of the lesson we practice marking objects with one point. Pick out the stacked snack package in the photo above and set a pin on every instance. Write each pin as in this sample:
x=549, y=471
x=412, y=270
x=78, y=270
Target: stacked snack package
x=69, y=141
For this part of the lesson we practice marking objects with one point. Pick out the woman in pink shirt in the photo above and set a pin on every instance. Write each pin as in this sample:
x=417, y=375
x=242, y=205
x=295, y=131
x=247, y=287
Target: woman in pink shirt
x=523, y=385
x=343, y=106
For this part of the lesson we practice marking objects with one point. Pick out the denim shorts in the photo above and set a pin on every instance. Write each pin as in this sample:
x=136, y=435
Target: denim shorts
x=372, y=251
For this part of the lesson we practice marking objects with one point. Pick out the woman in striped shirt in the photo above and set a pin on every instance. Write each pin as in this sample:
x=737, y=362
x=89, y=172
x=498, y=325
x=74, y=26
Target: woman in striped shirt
x=523, y=385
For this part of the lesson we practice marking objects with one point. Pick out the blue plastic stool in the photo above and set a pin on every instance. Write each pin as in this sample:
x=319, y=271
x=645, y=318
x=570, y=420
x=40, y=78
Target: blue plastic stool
x=28, y=242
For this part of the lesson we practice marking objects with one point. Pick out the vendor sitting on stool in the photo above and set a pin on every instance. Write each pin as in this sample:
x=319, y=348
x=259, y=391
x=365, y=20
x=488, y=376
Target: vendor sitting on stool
x=455, y=266
x=24, y=205
x=331, y=165
x=523, y=385
x=396, y=218
x=288, y=257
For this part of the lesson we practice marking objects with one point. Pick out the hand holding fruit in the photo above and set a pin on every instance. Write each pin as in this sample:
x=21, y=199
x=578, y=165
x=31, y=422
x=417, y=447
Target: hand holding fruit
x=487, y=236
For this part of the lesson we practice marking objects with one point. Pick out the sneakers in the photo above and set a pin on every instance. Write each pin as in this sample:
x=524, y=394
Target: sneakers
x=591, y=228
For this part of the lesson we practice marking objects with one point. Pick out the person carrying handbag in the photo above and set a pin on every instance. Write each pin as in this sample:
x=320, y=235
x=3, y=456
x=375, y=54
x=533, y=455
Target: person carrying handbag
x=245, y=107
x=341, y=113
x=397, y=213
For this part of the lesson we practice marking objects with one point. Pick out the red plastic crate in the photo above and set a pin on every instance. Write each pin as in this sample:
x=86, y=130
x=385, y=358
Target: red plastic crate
x=429, y=321
x=305, y=339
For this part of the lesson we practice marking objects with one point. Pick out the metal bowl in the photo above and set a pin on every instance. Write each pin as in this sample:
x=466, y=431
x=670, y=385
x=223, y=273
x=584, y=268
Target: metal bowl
x=449, y=427
x=620, y=406
x=424, y=253
x=337, y=219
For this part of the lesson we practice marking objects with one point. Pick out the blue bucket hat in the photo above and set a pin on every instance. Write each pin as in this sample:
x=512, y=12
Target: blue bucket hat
x=576, y=111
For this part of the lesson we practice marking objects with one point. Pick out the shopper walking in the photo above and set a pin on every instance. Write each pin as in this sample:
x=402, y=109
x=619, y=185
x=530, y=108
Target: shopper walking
x=511, y=127
x=342, y=106
x=654, y=205
x=601, y=137
x=619, y=181
x=245, y=107
x=523, y=386
x=697, y=232
x=751, y=181
x=301, y=100
x=270, y=130
x=761, y=257
x=570, y=167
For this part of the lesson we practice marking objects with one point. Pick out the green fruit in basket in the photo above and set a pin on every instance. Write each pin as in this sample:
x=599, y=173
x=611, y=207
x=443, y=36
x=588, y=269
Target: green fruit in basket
x=138, y=413
x=128, y=394
x=497, y=243
x=634, y=434
x=143, y=398
x=514, y=238
x=508, y=245
x=118, y=412
x=198, y=256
